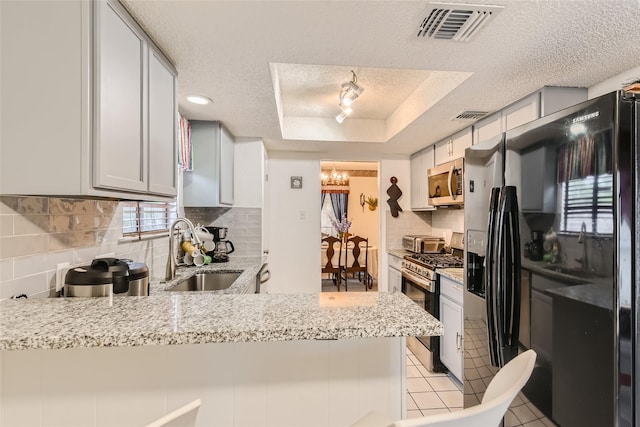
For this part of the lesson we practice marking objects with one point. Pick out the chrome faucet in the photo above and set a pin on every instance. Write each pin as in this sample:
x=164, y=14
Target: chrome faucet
x=582, y=239
x=171, y=262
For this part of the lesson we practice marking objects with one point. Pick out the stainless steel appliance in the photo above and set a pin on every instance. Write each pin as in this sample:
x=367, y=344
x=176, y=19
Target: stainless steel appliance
x=107, y=276
x=574, y=175
x=445, y=184
x=419, y=243
x=420, y=285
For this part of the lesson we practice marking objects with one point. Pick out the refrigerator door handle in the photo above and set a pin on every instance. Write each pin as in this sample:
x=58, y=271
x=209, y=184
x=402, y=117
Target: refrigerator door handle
x=508, y=287
x=499, y=301
x=490, y=274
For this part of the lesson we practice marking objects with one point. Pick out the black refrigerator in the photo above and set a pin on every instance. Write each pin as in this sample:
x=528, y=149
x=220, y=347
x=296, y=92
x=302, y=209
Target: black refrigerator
x=551, y=232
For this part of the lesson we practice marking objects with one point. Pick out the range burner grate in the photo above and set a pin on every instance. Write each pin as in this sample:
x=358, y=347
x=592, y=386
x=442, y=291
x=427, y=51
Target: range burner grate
x=433, y=261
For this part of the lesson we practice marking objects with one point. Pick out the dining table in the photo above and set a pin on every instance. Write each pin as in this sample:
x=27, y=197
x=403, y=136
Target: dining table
x=370, y=251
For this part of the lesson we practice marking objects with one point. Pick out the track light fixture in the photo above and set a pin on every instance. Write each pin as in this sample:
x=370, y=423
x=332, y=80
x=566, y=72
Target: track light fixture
x=349, y=92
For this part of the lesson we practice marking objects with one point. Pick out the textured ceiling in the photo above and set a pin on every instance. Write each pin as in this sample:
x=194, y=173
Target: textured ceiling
x=224, y=50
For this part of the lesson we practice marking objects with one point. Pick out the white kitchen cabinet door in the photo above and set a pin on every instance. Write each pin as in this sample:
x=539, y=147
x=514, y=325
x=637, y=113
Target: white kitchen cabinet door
x=93, y=105
x=162, y=127
x=460, y=143
x=210, y=183
x=453, y=148
x=451, y=350
x=420, y=164
x=395, y=280
x=523, y=111
x=120, y=149
x=487, y=128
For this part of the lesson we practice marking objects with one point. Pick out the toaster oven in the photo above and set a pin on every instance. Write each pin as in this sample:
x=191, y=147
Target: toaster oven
x=422, y=243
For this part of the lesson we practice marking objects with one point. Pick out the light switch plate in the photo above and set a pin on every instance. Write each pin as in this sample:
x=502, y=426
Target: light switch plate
x=61, y=271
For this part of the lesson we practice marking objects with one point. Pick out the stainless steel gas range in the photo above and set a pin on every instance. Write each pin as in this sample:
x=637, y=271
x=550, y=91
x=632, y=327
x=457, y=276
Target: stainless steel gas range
x=419, y=283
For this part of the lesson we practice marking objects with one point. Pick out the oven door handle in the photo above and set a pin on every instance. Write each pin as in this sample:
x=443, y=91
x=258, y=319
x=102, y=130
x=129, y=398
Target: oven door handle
x=418, y=280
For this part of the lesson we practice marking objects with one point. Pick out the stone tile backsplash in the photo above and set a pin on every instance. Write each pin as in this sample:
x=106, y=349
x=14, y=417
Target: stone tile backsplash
x=244, y=224
x=447, y=221
x=407, y=222
x=36, y=233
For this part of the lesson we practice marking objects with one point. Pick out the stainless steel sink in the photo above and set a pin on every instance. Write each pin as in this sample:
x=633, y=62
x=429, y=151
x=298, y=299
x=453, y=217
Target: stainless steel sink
x=209, y=281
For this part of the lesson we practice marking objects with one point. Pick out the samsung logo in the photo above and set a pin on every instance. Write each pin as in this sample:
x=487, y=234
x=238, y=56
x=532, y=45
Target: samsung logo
x=585, y=117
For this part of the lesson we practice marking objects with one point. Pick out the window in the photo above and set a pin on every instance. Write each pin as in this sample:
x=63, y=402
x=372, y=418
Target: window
x=140, y=218
x=588, y=200
x=326, y=227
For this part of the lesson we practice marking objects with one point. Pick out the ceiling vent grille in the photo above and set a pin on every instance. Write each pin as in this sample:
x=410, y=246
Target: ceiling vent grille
x=457, y=22
x=471, y=115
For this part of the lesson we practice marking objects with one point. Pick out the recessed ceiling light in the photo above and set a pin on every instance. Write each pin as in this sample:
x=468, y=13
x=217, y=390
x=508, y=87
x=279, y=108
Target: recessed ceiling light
x=197, y=99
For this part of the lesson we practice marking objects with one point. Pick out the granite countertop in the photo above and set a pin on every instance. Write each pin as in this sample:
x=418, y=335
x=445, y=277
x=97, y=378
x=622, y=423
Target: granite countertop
x=455, y=274
x=204, y=317
x=596, y=295
x=400, y=253
x=249, y=266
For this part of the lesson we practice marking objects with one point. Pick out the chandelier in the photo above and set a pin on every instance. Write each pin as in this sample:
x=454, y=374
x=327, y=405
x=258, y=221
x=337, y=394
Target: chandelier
x=335, y=181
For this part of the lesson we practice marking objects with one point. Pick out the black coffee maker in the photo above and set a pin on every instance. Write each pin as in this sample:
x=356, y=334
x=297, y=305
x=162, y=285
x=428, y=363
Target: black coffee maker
x=223, y=247
x=534, y=247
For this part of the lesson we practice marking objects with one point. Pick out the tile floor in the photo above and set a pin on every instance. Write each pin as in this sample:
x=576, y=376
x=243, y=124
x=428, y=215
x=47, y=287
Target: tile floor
x=430, y=393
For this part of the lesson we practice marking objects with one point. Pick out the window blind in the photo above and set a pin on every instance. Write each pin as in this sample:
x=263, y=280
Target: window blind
x=588, y=200
x=140, y=218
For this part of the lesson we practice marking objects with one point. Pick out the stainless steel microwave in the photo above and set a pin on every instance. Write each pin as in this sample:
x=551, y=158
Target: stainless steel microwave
x=445, y=184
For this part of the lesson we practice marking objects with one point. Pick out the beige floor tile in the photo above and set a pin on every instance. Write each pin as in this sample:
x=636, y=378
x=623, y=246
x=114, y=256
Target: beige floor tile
x=429, y=412
x=453, y=399
x=414, y=414
x=413, y=372
x=442, y=384
x=411, y=404
x=423, y=370
x=410, y=362
x=417, y=385
x=428, y=400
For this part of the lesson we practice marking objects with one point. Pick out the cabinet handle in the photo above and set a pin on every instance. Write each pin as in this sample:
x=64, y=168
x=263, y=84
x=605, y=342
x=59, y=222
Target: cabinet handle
x=458, y=340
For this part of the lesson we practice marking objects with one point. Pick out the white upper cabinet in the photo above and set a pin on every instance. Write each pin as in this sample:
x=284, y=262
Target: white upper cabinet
x=106, y=103
x=420, y=164
x=453, y=148
x=162, y=126
x=539, y=104
x=120, y=150
x=211, y=181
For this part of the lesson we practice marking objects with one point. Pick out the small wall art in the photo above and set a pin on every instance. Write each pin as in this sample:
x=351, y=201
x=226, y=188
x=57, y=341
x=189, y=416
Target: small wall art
x=296, y=182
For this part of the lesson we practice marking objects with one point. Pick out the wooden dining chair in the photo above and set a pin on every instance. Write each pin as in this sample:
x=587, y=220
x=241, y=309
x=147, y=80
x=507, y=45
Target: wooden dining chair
x=352, y=262
x=333, y=266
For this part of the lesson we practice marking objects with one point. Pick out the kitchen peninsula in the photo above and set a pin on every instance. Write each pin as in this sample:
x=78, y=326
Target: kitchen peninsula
x=249, y=357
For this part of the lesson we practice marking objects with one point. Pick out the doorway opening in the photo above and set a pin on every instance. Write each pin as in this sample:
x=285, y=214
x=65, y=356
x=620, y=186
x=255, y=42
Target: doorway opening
x=350, y=197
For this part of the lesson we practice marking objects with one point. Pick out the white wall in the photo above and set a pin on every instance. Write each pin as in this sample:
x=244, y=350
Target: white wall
x=366, y=223
x=294, y=242
x=401, y=169
x=294, y=255
x=614, y=83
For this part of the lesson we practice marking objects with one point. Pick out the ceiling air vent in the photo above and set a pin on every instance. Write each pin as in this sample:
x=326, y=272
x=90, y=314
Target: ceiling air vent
x=459, y=22
x=471, y=115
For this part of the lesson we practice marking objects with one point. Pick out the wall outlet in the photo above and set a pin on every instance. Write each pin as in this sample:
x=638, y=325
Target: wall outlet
x=302, y=214
x=61, y=271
